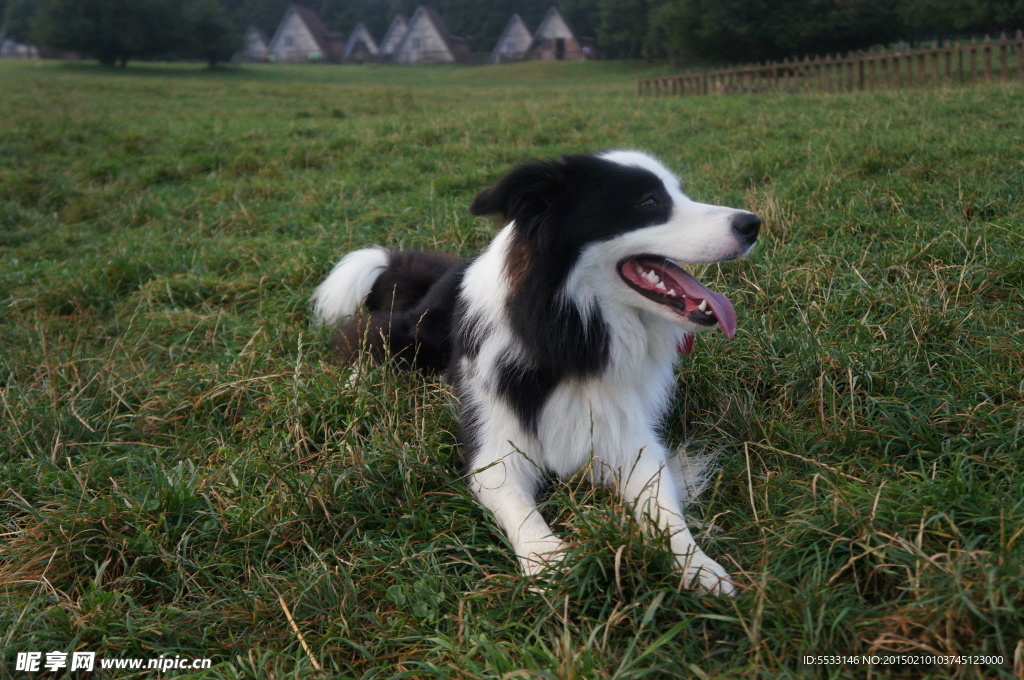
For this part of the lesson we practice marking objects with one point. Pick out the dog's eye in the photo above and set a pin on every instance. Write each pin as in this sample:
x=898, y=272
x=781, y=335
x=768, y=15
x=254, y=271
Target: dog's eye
x=649, y=202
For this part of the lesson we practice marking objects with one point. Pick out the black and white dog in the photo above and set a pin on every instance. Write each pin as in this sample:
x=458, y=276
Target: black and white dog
x=560, y=338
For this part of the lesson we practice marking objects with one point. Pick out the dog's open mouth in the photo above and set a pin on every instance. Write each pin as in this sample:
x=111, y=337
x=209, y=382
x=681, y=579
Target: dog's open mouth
x=662, y=280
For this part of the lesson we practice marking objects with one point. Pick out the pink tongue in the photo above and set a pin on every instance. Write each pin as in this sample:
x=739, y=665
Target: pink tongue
x=722, y=308
x=719, y=304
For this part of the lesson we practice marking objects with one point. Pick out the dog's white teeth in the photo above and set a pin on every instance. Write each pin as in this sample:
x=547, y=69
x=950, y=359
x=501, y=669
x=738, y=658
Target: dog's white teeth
x=671, y=293
x=661, y=286
x=703, y=306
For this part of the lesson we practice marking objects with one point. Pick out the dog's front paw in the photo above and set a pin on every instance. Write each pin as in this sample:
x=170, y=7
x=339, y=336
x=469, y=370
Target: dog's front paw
x=700, y=571
x=541, y=556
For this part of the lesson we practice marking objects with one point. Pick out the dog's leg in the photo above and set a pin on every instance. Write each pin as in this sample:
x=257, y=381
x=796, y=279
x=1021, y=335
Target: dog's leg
x=650, y=488
x=505, y=485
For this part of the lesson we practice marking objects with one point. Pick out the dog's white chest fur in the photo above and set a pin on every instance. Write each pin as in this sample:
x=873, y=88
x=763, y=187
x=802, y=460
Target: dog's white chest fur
x=611, y=413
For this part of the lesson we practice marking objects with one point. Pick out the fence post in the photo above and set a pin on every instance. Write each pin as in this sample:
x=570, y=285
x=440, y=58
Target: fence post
x=1018, y=47
x=972, y=74
x=987, y=52
x=1004, y=72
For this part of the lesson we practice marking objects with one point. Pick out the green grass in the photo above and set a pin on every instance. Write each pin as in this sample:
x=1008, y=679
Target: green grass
x=185, y=470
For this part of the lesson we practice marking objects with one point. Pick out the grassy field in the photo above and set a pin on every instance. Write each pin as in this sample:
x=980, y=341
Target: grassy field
x=185, y=471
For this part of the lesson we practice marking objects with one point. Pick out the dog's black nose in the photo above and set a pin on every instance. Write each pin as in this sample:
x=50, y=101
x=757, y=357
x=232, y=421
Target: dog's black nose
x=746, y=226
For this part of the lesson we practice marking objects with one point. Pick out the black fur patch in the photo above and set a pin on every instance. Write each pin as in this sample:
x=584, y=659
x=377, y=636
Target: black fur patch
x=409, y=276
x=526, y=390
x=414, y=300
x=560, y=206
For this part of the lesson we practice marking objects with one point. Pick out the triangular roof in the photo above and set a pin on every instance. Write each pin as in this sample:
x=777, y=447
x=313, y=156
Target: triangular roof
x=360, y=36
x=515, y=39
x=430, y=15
x=256, y=33
x=393, y=38
x=313, y=24
x=554, y=25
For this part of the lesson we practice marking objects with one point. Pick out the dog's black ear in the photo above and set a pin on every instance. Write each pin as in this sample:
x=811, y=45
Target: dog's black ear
x=525, y=194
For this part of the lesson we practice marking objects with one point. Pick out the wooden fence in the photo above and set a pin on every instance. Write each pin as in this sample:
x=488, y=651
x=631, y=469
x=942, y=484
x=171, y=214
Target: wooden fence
x=988, y=60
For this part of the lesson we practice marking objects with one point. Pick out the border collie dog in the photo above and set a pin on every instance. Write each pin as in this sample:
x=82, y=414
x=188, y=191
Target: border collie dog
x=560, y=338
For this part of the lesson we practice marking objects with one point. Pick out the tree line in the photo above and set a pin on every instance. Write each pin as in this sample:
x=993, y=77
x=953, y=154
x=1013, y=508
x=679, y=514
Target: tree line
x=116, y=31
x=706, y=31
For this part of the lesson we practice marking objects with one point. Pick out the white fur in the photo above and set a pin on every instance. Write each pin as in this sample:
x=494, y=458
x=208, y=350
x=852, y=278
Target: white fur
x=608, y=422
x=348, y=284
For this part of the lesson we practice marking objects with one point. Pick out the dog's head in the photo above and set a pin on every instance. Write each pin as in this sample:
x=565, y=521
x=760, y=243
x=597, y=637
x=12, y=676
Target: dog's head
x=618, y=227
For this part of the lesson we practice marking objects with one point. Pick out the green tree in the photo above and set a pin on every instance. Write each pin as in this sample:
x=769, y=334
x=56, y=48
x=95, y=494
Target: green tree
x=583, y=15
x=623, y=29
x=210, y=33
x=265, y=14
x=16, y=19
x=962, y=16
x=734, y=31
x=112, y=31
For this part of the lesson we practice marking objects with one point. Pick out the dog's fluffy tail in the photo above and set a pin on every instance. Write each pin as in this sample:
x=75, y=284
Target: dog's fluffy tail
x=348, y=285
x=692, y=471
x=391, y=304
